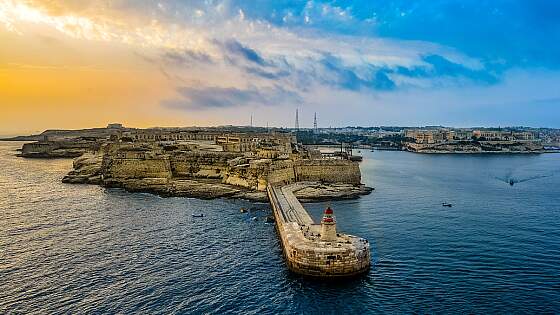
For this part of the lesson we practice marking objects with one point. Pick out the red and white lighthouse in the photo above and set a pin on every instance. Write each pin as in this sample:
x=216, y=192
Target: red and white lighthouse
x=328, y=226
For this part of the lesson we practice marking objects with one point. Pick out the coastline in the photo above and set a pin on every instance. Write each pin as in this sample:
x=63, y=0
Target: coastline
x=482, y=152
x=101, y=170
x=214, y=189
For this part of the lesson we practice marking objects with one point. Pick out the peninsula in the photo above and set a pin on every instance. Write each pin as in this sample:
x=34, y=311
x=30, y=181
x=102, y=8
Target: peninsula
x=199, y=162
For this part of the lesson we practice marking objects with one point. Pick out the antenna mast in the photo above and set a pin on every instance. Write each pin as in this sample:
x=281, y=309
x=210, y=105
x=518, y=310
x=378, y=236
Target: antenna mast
x=297, y=120
x=315, y=122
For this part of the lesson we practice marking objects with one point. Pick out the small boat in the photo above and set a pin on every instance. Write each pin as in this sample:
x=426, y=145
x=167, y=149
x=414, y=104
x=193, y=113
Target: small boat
x=198, y=215
x=445, y=204
x=243, y=210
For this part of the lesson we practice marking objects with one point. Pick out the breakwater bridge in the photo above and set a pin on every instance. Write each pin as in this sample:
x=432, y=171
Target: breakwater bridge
x=315, y=249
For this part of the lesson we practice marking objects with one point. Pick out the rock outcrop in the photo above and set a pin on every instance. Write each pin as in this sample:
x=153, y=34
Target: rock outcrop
x=57, y=149
x=315, y=191
x=87, y=170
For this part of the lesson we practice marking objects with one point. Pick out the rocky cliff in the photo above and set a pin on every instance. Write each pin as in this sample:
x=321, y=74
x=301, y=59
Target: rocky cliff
x=58, y=149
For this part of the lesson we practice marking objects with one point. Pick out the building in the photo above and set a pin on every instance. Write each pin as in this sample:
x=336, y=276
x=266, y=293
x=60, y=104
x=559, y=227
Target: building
x=115, y=126
x=251, y=142
x=157, y=134
x=445, y=135
x=498, y=135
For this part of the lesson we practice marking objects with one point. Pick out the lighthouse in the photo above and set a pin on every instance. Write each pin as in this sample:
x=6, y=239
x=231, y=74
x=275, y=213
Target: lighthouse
x=328, y=226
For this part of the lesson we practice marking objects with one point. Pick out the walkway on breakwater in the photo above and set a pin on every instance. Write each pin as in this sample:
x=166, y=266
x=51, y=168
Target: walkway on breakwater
x=292, y=210
x=307, y=252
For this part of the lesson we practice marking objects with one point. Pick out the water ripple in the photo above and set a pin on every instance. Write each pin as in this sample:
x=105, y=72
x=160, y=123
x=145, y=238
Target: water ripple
x=86, y=249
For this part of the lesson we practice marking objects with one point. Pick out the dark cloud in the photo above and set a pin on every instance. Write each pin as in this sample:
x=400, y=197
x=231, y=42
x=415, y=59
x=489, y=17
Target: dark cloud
x=253, y=63
x=237, y=49
x=443, y=67
x=383, y=82
x=186, y=57
x=219, y=97
x=271, y=75
x=347, y=78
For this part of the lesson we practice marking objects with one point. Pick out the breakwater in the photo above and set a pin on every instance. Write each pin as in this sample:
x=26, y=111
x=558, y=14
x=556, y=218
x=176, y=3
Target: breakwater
x=314, y=249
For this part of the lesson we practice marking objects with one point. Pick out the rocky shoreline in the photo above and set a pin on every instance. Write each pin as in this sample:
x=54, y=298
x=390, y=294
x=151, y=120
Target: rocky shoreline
x=88, y=170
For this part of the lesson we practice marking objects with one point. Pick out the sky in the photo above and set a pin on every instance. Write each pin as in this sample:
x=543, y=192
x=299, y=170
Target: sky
x=77, y=64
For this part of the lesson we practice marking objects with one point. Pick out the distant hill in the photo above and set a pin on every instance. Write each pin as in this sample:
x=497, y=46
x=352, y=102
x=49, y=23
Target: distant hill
x=59, y=134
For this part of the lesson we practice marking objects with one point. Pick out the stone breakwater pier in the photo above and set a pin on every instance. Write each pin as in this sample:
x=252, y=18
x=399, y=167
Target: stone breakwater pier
x=314, y=249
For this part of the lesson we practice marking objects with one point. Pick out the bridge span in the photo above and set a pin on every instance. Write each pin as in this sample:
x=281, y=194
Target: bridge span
x=315, y=249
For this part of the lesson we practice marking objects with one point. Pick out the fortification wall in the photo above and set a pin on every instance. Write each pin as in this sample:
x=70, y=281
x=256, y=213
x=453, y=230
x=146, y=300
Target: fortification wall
x=201, y=165
x=339, y=171
x=139, y=162
x=119, y=168
x=252, y=176
x=281, y=172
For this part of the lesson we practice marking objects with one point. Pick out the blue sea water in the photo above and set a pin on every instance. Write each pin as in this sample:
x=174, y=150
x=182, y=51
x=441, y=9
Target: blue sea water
x=86, y=249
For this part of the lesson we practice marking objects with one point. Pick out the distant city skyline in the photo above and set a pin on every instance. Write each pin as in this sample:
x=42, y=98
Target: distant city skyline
x=72, y=65
x=302, y=128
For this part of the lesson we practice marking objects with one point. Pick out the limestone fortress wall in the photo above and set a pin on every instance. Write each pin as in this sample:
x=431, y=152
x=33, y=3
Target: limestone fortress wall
x=128, y=163
x=200, y=164
x=330, y=171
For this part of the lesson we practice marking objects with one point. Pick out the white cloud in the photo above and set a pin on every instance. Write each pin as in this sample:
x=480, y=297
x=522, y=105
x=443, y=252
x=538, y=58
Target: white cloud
x=197, y=32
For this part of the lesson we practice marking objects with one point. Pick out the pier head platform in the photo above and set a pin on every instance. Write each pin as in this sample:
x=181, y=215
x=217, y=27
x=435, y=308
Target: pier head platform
x=315, y=249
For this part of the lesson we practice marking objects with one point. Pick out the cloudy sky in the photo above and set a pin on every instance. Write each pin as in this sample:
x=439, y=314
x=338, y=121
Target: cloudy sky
x=73, y=64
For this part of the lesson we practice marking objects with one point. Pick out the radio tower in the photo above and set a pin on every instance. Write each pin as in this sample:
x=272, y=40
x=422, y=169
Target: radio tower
x=315, y=122
x=297, y=120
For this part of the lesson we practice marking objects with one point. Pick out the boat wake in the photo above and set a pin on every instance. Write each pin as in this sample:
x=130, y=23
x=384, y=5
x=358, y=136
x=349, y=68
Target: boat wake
x=511, y=180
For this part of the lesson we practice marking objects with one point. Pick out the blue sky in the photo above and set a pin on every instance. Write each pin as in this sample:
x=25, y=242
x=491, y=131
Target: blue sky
x=462, y=63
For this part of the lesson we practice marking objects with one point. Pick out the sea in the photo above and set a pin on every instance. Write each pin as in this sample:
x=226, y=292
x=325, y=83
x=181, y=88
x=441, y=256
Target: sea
x=73, y=249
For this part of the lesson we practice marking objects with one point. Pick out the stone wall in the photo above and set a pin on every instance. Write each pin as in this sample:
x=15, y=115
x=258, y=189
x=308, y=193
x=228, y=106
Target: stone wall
x=125, y=168
x=330, y=171
x=134, y=161
x=200, y=164
x=281, y=172
x=336, y=262
x=252, y=175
